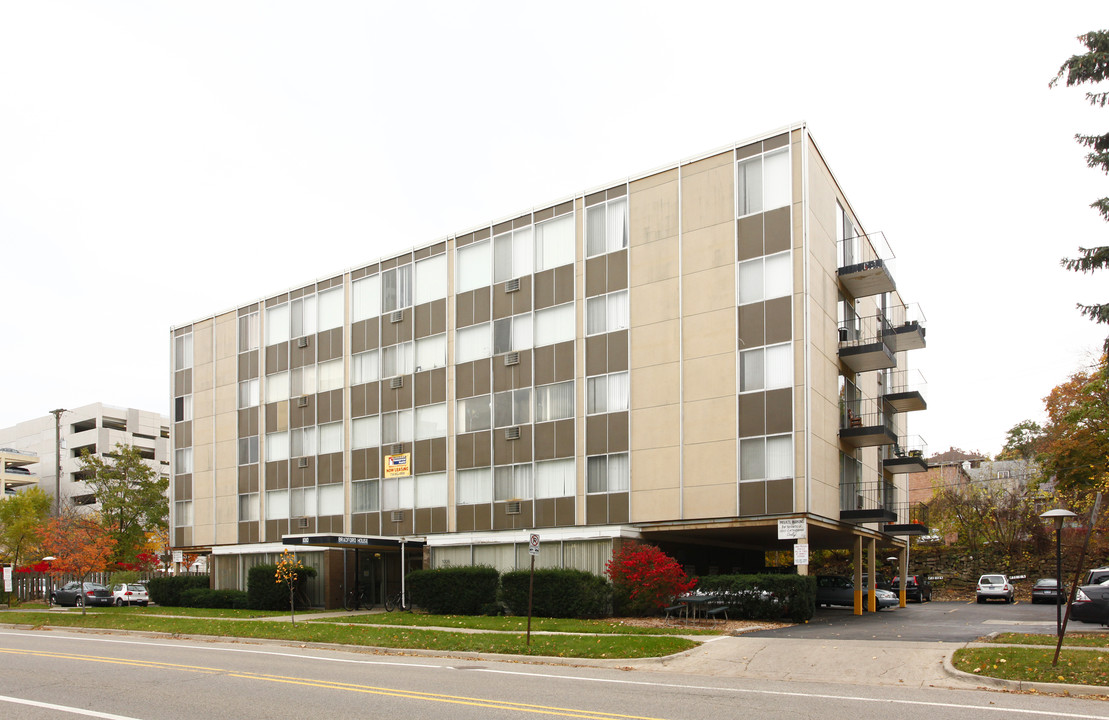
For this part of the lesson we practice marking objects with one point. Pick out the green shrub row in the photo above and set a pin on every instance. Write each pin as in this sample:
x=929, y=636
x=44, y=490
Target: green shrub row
x=167, y=590
x=208, y=598
x=454, y=590
x=557, y=593
x=263, y=592
x=764, y=597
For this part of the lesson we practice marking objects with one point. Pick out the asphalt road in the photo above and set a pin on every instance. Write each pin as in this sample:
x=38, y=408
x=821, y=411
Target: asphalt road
x=57, y=674
x=927, y=622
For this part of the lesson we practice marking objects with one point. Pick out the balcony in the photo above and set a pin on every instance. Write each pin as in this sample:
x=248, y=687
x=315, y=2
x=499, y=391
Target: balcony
x=904, y=391
x=907, y=456
x=867, y=502
x=865, y=422
x=912, y=519
x=863, y=344
x=906, y=329
x=865, y=266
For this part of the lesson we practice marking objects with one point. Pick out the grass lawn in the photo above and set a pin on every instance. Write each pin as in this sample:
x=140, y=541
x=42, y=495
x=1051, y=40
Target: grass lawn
x=1090, y=641
x=515, y=624
x=1079, y=667
x=361, y=634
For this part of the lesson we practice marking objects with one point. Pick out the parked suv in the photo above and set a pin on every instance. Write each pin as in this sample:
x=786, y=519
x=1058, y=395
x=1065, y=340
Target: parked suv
x=917, y=588
x=995, y=587
x=1096, y=576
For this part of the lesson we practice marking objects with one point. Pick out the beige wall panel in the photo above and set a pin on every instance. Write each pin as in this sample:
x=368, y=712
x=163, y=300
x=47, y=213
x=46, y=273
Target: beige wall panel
x=708, y=198
x=227, y=454
x=708, y=247
x=797, y=157
x=652, y=181
x=226, y=398
x=655, y=427
x=655, y=344
x=653, y=211
x=203, y=405
x=709, y=377
x=654, y=303
x=655, y=385
x=653, y=262
x=655, y=505
x=202, y=430
x=822, y=193
x=709, y=502
x=714, y=162
x=709, y=420
x=710, y=333
x=655, y=469
x=797, y=216
x=227, y=372
x=799, y=419
x=202, y=343
x=226, y=331
x=227, y=427
x=708, y=290
x=227, y=533
x=227, y=485
x=710, y=464
x=202, y=488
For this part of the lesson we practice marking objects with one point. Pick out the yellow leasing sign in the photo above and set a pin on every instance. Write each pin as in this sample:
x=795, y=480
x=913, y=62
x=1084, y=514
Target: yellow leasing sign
x=398, y=465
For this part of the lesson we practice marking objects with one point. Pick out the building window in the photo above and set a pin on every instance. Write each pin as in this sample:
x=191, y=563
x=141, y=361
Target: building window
x=512, y=482
x=363, y=368
x=248, y=393
x=277, y=504
x=396, y=288
x=330, y=375
x=431, y=490
x=431, y=279
x=765, y=278
x=277, y=324
x=554, y=325
x=512, y=333
x=248, y=507
x=183, y=513
x=183, y=461
x=431, y=421
x=365, y=298
x=248, y=332
x=248, y=450
x=554, y=402
x=766, y=368
x=473, y=343
x=768, y=458
x=763, y=182
x=330, y=306
x=606, y=227
x=607, y=393
x=606, y=313
x=512, y=407
x=302, y=381
x=607, y=473
x=473, y=269
x=277, y=446
x=396, y=427
x=183, y=351
x=554, y=243
x=474, y=486
x=365, y=432
x=398, y=493
x=330, y=499
x=303, y=316
x=277, y=387
x=302, y=441
x=302, y=502
x=555, y=478
x=431, y=352
x=331, y=438
x=363, y=496
x=183, y=408
x=396, y=360
x=473, y=414
x=512, y=254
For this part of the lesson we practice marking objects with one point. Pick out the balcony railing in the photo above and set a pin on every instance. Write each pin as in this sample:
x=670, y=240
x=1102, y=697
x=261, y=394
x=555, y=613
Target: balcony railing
x=905, y=327
x=866, y=422
x=907, y=456
x=863, y=344
x=867, y=501
x=904, y=391
x=865, y=265
x=912, y=519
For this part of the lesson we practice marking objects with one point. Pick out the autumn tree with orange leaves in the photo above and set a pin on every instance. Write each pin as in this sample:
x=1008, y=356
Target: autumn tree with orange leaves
x=80, y=545
x=1074, y=447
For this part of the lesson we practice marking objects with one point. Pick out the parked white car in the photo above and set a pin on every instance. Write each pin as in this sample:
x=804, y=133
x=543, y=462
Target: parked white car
x=130, y=594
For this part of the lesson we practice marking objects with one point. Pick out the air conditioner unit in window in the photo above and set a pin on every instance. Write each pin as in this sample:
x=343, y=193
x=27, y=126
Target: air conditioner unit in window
x=302, y=523
x=398, y=448
x=396, y=316
x=302, y=462
x=512, y=285
x=302, y=342
x=396, y=382
x=512, y=433
x=512, y=358
x=397, y=516
x=302, y=401
x=512, y=508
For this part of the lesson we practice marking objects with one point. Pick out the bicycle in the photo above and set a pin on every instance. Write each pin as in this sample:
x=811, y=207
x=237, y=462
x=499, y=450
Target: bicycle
x=398, y=601
x=356, y=599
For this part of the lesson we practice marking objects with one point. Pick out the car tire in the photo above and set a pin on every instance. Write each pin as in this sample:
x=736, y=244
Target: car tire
x=981, y=600
x=78, y=601
x=119, y=602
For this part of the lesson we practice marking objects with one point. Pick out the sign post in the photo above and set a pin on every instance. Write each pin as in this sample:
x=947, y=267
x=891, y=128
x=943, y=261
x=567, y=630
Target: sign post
x=533, y=550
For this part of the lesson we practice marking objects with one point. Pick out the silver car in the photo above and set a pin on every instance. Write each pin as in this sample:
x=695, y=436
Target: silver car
x=130, y=594
x=995, y=587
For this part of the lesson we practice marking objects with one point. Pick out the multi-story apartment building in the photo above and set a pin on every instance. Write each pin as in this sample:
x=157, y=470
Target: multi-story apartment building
x=97, y=428
x=685, y=357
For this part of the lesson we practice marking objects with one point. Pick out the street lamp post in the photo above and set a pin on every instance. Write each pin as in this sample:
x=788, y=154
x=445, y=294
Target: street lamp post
x=1058, y=515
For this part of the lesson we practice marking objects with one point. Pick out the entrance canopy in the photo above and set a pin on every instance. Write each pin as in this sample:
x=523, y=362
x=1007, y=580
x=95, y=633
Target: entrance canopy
x=355, y=542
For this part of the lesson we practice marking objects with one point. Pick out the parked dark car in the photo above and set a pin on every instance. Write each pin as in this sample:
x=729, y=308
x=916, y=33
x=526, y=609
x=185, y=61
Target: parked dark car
x=1091, y=604
x=917, y=588
x=840, y=590
x=1046, y=590
x=72, y=593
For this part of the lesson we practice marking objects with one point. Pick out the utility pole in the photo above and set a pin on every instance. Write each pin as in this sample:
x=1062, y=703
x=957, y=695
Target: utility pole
x=58, y=460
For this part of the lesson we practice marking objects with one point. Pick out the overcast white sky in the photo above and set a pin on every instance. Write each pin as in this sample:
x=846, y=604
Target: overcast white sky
x=340, y=132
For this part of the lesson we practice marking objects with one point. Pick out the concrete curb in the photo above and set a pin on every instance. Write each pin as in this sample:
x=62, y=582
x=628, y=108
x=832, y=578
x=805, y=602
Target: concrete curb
x=1019, y=685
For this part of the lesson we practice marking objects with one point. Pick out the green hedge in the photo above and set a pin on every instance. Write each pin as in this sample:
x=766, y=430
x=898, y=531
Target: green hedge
x=764, y=597
x=557, y=593
x=265, y=593
x=453, y=590
x=166, y=591
x=208, y=598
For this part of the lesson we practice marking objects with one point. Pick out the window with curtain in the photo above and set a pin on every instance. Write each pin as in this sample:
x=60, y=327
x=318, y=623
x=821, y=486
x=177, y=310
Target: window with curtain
x=277, y=504
x=555, y=478
x=330, y=499
x=302, y=381
x=606, y=313
x=248, y=332
x=398, y=493
x=512, y=482
x=766, y=368
x=554, y=243
x=607, y=473
x=248, y=507
x=330, y=375
x=302, y=313
x=473, y=414
x=431, y=421
x=330, y=308
x=302, y=502
x=766, y=458
x=396, y=288
x=183, y=351
x=763, y=182
x=502, y=557
x=431, y=490
x=365, y=298
x=302, y=441
x=248, y=450
x=431, y=352
x=606, y=227
x=183, y=461
x=277, y=446
x=512, y=333
x=397, y=359
x=363, y=496
x=364, y=368
x=473, y=266
x=554, y=402
x=607, y=393
x=512, y=254
x=512, y=407
x=331, y=438
x=277, y=324
x=431, y=279
x=248, y=393
x=396, y=427
x=765, y=278
x=474, y=486
x=277, y=387
x=183, y=513
x=365, y=432
x=473, y=343
x=554, y=325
